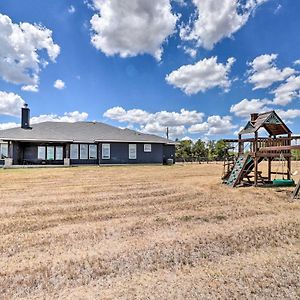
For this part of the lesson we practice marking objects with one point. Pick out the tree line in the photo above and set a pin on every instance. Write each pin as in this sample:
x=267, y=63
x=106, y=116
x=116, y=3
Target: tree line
x=187, y=150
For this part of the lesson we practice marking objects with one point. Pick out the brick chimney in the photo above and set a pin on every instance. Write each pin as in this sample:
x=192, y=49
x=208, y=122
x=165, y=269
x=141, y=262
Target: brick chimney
x=25, y=117
x=254, y=117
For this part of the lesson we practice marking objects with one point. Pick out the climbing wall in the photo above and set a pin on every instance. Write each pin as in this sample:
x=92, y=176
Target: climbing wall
x=243, y=162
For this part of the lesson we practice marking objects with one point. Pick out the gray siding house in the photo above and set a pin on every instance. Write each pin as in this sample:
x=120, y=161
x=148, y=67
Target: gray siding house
x=79, y=143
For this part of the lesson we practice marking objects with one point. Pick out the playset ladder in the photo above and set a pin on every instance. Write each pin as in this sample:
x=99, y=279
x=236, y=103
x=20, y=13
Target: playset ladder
x=244, y=164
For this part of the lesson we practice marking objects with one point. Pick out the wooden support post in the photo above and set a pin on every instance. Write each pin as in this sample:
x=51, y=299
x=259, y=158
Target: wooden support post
x=255, y=171
x=269, y=168
x=296, y=190
x=289, y=159
x=255, y=147
x=288, y=169
x=241, y=145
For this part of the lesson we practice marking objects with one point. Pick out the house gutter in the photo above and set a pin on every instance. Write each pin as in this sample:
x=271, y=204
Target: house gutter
x=88, y=142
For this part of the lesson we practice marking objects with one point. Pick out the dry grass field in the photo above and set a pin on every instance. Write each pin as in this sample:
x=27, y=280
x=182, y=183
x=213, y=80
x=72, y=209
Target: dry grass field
x=145, y=232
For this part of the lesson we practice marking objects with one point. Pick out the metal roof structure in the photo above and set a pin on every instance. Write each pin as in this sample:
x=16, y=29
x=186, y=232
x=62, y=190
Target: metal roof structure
x=270, y=121
x=84, y=132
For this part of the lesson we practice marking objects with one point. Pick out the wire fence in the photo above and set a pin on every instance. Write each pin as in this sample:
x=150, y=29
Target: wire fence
x=199, y=160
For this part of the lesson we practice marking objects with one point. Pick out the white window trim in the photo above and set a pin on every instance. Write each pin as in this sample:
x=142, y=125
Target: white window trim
x=129, y=152
x=149, y=147
x=77, y=152
x=1, y=150
x=53, y=148
x=102, y=154
x=62, y=152
x=44, y=156
x=87, y=151
x=93, y=146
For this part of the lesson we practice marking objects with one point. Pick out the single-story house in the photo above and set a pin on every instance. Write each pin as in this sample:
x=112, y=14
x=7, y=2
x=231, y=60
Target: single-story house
x=62, y=143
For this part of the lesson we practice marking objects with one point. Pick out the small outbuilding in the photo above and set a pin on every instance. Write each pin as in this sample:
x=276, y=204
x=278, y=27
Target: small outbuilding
x=79, y=143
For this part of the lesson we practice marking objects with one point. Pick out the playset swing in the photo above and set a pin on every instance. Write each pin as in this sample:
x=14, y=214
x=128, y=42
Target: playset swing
x=283, y=181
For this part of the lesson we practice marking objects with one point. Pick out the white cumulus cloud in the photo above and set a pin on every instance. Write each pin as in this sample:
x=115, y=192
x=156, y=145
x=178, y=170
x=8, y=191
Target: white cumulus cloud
x=132, y=116
x=59, y=84
x=156, y=123
x=70, y=117
x=189, y=51
x=287, y=91
x=10, y=104
x=30, y=88
x=129, y=28
x=164, y=118
x=246, y=107
x=8, y=125
x=216, y=20
x=205, y=74
x=288, y=114
x=215, y=125
x=264, y=72
x=21, y=44
x=157, y=128
x=179, y=123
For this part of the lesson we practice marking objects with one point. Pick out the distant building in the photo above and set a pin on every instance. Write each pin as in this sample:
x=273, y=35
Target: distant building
x=79, y=143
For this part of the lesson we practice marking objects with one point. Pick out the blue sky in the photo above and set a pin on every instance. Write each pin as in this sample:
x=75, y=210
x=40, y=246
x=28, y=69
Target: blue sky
x=192, y=66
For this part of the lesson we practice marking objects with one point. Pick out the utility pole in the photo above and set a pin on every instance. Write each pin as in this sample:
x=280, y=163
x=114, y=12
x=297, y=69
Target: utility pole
x=167, y=133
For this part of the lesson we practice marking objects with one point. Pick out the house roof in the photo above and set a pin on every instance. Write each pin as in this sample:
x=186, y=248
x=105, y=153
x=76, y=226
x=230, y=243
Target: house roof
x=268, y=120
x=86, y=132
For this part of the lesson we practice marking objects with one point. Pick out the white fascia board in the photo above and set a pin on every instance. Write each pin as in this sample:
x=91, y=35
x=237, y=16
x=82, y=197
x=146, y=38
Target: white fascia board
x=36, y=140
x=136, y=142
x=83, y=142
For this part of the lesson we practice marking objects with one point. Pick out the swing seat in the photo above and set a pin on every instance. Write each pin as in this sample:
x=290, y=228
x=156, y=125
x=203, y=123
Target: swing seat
x=283, y=182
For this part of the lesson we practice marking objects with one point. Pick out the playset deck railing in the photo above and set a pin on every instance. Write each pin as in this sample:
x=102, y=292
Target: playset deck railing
x=265, y=146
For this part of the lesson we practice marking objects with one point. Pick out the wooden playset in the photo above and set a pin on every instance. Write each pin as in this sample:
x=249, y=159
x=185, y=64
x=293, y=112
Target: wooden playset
x=251, y=151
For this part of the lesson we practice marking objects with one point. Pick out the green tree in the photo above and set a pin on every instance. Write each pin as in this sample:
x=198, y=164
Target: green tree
x=184, y=149
x=221, y=149
x=199, y=149
x=211, y=145
x=295, y=154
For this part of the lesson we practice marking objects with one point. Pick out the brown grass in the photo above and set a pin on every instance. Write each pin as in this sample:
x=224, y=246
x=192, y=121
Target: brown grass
x=145, y=232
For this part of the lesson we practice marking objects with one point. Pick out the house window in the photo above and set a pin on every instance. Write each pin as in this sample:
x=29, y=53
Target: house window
x=132, y=151
x=42, y=152
x=84, y=149
x=92, y=151
x=59, y=153
x=105, y=151
x=74, y=151
x=147, y=147
x=50, y=153
x=3, y=151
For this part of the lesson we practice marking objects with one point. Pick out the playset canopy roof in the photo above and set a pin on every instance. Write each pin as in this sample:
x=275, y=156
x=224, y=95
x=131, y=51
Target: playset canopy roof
x=270, y=121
